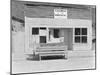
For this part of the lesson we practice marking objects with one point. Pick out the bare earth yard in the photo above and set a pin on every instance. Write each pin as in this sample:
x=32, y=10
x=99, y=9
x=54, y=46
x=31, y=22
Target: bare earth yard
x=74, y=63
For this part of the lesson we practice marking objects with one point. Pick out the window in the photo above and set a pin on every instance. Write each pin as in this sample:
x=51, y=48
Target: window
x=80, y=35
x=43, y=28
x=84, y=31
x=84, y=39
x=77, y=31
x=42, y=39
x=77, y=39
x=35, y=31
x=56, y=33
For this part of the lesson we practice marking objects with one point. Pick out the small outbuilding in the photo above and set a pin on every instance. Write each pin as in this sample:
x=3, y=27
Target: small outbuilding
x=57, y=28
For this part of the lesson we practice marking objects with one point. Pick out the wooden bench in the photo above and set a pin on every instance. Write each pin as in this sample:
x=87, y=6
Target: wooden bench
x=52, y=51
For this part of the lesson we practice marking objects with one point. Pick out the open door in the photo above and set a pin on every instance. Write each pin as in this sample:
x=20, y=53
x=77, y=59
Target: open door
x=68, y=37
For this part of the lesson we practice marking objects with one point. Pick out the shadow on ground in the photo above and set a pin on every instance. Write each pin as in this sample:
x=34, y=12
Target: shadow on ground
x=36, y=57
x=32, y=58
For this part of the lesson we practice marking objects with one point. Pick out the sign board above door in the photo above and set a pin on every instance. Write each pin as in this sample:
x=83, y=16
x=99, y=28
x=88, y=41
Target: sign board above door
x=60, y=13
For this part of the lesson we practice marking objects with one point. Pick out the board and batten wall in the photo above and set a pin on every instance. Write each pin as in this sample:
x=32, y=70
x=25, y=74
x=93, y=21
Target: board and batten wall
x=48, y=12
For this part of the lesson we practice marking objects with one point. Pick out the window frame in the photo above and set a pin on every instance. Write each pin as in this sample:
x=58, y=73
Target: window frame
x=35, y=31
x=56, y=35
x=81, y=36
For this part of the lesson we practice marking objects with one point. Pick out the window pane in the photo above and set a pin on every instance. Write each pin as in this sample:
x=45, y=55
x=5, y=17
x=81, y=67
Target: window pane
x=35, y=31
x=84, y=39
x=84, y=31
x=42, y=39
x=77, y=39
x=77, y=31
x=56, y=33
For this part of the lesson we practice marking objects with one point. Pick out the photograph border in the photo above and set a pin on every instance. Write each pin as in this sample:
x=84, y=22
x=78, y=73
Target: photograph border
x=51, y=71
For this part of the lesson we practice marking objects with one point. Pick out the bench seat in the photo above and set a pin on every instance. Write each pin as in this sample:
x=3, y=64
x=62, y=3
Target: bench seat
x=52, y=51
